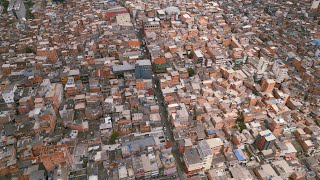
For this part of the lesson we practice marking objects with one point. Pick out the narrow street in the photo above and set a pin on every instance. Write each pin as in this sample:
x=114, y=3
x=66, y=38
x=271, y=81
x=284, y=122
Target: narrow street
x=168, y=132
x=163, y=112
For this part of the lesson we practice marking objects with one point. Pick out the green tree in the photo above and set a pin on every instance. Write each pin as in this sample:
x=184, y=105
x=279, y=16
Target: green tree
x=191, y=72
x=114, y=137
x=255, y=92
x=241, y=124
x=29, y=50
x=5, y=4
x=29, y=3
x=29, y=14
x=239, y=119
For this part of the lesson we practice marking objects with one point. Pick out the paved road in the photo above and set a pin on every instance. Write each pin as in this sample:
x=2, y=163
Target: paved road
x=168, y=133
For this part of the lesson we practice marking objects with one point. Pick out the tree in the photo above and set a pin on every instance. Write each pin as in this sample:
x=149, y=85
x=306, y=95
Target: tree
x=191, y=72
x=29, y=50
x=255, y=92
x=114, y=137
x=241, y=124
x=5, y=4
x=239, y=119
x=29, y=14
x=29, y=3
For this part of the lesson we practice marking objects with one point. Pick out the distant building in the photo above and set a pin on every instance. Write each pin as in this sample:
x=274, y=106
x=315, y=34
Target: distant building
x=217, y=56
x=124, y=67
x=114, y=11
x=123, y=19
x=315, y=4
x=265, y=140
x=1, y=9
x=161, y=14
x=261, y=68
x=18, y=9
x=50, y=53
x=8, y=93
x=150, y=26
x=173, y=11
x=263, y=65
x=280, y=71
x=143, y=69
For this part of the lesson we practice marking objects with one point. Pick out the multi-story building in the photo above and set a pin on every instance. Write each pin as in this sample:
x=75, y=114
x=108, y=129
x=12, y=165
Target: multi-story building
x=143, y=69
x=18, y=8
x=263, y=65
x=217, y=56
x=123, y=19
x=8, y=93
x=53, y=155
x=215, y=145
x=198, y=56
x=192, y=161
x=150, y=26
x=267, y=85
x=206, y=154
x=180, y=119
x=114, y=11
x=276, y=125
x=50, y=53
x=280, y=71
x=265, y=140
x=261, y=68
x=198, y=159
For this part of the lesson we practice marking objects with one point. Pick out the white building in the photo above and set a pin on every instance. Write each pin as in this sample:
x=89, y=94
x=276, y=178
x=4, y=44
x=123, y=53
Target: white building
x=123, y=173
x=18, y=8
x=44, y=87
x=315, y=4
x=262, y=65
x=261, y=68
x=161, y=14
x=206, y=154
x=8, y=93
x=280, y=71
x=124, y=19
